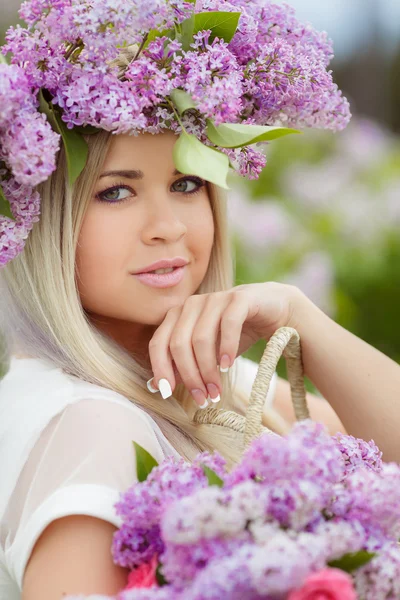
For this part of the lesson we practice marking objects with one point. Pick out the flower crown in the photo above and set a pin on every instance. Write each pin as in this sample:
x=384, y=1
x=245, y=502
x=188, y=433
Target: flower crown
x=222, y=74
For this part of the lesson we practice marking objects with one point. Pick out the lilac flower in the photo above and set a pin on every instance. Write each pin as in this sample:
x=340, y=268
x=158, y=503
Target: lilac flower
x=358, y=453
x=273, y=71
x=213, y=78
x=28, y=146
x=25, y=206
x=380, y=578
x=290, y=507
x=28, y=149
x=213, y=461
x=182, y=563
x=142, y=507
x=308, y=453
x=371, y=499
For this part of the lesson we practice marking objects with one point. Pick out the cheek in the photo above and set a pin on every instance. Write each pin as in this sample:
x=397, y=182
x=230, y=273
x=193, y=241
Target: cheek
x=200, y=234
x=101, y=253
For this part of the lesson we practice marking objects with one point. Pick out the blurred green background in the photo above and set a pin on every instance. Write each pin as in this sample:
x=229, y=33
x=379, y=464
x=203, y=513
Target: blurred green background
x=325, y=214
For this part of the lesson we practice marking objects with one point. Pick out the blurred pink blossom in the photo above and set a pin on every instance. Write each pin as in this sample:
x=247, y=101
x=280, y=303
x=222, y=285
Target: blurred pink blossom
x=260, y=225
x=315, y=277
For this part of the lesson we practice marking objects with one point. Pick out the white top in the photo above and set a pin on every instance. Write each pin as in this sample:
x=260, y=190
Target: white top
x=66, y=449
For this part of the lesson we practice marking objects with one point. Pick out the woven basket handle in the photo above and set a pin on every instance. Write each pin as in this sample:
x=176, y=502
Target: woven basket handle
x=285, y=342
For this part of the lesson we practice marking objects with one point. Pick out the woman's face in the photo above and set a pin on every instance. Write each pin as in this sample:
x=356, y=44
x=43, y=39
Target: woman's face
x=142, y=212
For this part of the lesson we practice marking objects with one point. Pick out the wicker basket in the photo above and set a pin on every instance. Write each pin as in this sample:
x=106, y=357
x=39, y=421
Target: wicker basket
x=285, y=342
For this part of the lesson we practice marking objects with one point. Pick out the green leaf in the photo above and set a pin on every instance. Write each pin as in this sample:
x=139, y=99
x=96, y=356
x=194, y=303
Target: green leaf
x=182, y=101
x=5, y=208
x=352, y=561
x=213, y=478
x=76, y=149
x=145, y=463
x=191, y=157
x=223, y=25
x=156, y=33
x=236, y=135
x=187, y=30
x=87, y=130
x=3, y=60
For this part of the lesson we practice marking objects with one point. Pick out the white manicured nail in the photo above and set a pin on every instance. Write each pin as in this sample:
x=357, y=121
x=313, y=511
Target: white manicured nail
x=224, y=370
x=165, y=388
x=205, y=404
x=214, y=400
x=151, y=389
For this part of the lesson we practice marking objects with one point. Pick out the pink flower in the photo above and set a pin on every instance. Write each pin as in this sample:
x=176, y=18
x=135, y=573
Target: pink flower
x=328, y=584
x=144, y=576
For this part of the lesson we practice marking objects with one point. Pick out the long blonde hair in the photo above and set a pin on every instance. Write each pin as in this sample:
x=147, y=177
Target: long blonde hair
x=45, y=317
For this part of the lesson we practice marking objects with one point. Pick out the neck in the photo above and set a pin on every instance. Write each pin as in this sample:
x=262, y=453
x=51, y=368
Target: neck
x=133, y=337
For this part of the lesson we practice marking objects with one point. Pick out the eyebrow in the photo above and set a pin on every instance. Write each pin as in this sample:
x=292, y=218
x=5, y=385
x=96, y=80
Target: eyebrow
x=129, y=174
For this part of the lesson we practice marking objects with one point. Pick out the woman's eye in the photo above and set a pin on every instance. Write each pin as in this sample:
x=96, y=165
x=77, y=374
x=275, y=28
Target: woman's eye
x=115, y=194
x=187, y=186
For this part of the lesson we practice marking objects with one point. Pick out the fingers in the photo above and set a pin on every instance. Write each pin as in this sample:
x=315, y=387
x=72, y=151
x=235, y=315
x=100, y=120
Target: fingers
x=164, y=379
x=231, y=326
x=182, y=351
x=204, y=340
x=194, y=339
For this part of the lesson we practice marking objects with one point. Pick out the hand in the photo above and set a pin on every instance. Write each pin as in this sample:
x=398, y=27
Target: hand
x=209, y=331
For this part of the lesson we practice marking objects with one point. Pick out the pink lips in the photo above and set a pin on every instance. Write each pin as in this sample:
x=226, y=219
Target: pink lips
x=163, y=280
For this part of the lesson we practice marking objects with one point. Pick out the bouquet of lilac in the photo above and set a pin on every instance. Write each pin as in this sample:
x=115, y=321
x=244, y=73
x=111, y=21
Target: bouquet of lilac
x=301, y=517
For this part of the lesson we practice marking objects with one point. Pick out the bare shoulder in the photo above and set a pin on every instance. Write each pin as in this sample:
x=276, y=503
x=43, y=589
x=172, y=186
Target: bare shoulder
x=73, y=556
x=320, y=409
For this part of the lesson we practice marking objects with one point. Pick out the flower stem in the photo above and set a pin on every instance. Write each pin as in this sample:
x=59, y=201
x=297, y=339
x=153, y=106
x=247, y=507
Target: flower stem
x=144, y=40
x=171, y=104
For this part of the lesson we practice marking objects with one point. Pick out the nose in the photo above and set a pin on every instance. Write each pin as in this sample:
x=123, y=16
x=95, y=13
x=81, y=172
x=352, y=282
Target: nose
x=162, y=224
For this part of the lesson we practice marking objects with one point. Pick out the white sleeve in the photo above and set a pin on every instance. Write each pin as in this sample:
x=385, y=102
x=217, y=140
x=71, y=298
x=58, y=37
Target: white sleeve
x=246, y=371
x=82, y=461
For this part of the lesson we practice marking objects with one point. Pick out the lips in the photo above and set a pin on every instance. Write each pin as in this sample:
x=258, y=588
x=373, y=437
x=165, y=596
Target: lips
x=166, y=263
x=162, y=280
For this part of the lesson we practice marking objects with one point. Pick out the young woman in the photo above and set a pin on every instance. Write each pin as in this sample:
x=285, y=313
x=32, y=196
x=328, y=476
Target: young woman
x=122, y=321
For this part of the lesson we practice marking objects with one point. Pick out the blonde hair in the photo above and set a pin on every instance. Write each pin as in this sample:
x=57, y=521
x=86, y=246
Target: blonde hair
x=45, y=317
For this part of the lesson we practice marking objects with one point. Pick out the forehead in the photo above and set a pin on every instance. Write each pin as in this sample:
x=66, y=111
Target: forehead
x=143, y=152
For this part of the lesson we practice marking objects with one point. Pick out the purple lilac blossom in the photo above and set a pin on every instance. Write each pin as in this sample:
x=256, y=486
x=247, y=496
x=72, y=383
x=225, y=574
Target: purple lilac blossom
x=358, y=453
x=380, y=579
x=306, y=454
x=290, y=507
x=141, y=509
x=25, y=206
x=28, y=145
x=273, y=71
x=28, y=149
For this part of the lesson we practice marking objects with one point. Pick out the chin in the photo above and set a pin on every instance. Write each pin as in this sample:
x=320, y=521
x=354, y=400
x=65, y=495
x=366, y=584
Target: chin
x=155, y=312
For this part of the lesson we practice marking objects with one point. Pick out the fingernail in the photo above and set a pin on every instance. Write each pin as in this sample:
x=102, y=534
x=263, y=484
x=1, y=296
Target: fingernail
x=225, y=363
x=165, y=388
x=199, y=398
x=213, y=393
x=151, y=389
